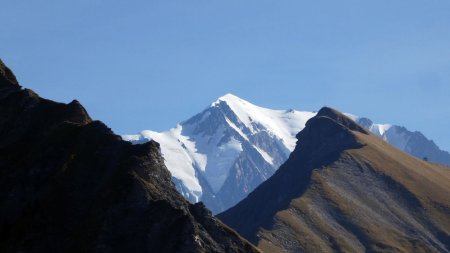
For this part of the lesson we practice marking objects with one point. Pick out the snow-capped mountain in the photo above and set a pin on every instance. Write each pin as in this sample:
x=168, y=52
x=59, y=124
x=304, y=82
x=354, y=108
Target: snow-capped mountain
x=221, y=154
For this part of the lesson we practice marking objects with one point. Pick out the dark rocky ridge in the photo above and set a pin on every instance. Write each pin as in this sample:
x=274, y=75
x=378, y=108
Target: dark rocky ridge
x=69, y=184
x=345, y=190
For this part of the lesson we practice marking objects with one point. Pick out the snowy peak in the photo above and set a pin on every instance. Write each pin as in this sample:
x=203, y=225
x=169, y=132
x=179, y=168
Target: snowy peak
x=229, y=99
x=241, y=108
x=413, y=143
x=221, y=154
x=281, y=124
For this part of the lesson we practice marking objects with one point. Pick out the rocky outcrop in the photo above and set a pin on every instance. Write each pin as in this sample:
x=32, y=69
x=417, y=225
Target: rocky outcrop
x=69, y=184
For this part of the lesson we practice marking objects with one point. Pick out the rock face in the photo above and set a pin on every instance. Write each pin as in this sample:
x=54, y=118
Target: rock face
x=345, y=190
x=68, y=184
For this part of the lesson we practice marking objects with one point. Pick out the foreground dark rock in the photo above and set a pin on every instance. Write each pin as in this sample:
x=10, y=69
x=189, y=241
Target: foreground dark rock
x=69, y=184
x=346, y=190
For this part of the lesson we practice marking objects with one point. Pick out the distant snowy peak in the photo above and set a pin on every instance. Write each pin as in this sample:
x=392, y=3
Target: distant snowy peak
x=413, y=143
x=395, y=135
x=220, y=131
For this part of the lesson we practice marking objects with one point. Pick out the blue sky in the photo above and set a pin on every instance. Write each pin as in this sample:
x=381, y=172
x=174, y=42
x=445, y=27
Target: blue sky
x=150, y=64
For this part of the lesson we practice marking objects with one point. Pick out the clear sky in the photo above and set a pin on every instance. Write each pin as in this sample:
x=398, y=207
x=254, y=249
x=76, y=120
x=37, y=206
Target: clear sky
x=149, y=64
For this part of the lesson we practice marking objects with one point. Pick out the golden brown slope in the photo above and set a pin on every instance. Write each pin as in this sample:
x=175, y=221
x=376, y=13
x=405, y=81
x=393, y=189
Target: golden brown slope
x=345, y=190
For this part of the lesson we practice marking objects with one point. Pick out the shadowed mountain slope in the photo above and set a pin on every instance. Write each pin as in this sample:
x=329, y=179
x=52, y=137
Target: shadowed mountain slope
x=345, y=190
x=69, y=184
